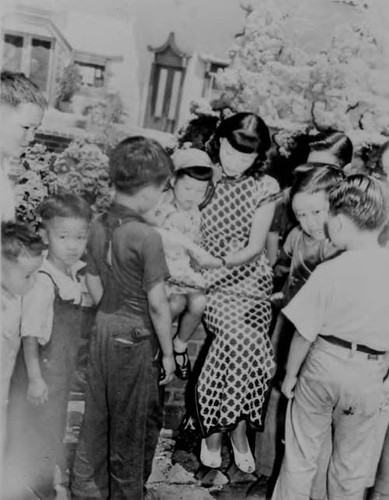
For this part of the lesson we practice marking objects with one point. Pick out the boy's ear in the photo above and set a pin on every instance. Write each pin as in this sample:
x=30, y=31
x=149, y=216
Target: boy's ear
x=43, y=235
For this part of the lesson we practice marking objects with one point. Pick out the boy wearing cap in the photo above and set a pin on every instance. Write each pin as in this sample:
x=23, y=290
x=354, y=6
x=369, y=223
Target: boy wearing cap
x=126, y=272
x=179, y=221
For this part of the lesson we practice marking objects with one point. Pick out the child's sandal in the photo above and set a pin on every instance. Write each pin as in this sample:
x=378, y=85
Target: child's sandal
x=183, y=368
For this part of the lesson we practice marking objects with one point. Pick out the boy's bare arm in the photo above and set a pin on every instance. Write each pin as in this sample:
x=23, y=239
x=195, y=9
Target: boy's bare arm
x=37, y=391
x=160, y=316
x=298, y=352
x=95, y=287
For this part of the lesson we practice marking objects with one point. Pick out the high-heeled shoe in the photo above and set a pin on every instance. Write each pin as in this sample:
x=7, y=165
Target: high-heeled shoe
x=244, y=461
x=212, y=459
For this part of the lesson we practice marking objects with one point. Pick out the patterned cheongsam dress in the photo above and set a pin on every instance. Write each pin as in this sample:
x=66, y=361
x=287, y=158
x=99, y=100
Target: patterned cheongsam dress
x=235, y=378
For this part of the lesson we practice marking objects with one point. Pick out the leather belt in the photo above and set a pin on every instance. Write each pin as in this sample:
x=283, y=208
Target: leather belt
x=351, y=345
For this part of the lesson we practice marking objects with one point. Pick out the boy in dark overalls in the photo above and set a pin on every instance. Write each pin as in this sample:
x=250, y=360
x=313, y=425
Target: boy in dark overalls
x=125, y=274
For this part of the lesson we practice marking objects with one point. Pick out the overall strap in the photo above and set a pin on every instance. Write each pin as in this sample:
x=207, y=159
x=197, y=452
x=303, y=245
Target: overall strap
x=56, y=289
x=110, y=226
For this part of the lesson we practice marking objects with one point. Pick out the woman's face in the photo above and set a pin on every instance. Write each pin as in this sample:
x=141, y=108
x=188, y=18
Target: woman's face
x=233, y=162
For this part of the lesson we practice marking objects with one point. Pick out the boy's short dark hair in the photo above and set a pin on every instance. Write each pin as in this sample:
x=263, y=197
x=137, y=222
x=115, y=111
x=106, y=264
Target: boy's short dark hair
x=137, y=162
x=19, y=239
x=363, y=199
x=64, y=204
x=17, y=89
x=316, y=179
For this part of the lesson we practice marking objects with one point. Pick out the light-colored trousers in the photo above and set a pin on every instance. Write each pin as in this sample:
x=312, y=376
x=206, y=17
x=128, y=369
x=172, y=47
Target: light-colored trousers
x=339, y=390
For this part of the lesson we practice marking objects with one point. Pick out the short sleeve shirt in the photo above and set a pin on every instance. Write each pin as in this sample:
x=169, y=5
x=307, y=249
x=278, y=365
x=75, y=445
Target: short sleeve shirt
x=305, y=255
x=38, y=303
x=137, y=259
x=347, y=297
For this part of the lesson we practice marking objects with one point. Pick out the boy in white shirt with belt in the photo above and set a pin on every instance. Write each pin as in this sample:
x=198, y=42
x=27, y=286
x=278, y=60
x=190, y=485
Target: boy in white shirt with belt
x=338, y=358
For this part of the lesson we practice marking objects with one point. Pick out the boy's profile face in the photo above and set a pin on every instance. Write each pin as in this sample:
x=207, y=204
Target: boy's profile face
x=17, y=127
x=189, y=192
x=311, y=211
x=19, y=277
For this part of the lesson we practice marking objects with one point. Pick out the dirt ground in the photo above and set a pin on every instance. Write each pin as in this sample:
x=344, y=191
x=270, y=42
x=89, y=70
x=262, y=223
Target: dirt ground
x=177, y=474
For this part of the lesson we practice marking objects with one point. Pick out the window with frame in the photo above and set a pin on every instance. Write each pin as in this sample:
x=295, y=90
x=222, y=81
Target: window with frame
x=30, y=55
x=92, y=74
x=210, y=90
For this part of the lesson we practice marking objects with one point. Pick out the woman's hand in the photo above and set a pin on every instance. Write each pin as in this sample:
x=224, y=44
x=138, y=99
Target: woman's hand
x=37, y=392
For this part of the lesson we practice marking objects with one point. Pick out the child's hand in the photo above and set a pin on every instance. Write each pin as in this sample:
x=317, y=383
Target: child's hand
x=205, y=259
x=169, y=367
x=288, y=386
x=277, y=299
x=37, y=392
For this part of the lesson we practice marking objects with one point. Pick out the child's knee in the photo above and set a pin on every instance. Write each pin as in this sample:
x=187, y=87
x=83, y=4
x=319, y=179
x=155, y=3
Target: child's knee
x=196, y=304
x=178, y=303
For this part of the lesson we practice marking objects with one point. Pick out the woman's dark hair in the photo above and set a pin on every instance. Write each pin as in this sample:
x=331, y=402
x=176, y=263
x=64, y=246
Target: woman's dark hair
x=64, y=204
x=137, y=162
x=247, y=133
x=315, y=180
x=198, y=132
x=337, y=143
x=282, y=167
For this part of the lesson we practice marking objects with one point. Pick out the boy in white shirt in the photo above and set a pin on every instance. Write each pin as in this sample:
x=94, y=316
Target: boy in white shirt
x=338, y=358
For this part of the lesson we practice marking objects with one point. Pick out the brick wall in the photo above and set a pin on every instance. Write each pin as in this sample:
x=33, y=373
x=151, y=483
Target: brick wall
x=53, y=142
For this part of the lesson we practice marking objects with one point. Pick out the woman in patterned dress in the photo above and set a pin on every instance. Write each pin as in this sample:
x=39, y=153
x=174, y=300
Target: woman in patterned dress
x=234, y=380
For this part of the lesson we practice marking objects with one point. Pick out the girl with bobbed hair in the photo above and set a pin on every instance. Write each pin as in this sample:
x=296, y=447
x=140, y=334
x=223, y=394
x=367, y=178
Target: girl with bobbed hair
x=233, y=384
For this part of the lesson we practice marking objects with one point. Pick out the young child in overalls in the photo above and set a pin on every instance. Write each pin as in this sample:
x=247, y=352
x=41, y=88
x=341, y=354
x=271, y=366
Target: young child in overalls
x=178, y=219
x=338, y=357
x=126, y=272
x=50, y=330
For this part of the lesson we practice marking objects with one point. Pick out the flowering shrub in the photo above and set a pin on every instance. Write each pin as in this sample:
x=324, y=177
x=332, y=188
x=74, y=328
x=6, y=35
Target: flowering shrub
x=36, y=181
x=81, y=169
x=344, y=87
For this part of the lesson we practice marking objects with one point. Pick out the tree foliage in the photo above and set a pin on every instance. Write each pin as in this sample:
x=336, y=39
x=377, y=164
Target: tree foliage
x=345, y=86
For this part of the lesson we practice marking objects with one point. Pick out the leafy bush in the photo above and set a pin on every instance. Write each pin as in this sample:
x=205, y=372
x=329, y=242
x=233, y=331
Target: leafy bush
x=36, y=181
x=69, y=83
x=81, y=169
